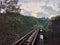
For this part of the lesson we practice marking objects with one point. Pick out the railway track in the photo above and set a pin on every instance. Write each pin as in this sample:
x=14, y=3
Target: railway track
x=28, y=39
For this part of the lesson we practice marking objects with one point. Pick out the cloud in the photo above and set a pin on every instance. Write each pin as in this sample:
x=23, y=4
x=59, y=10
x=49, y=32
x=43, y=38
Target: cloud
x=25, y=13
x=34, y=14
x=50, y=10
x=34, y=7
x=50, y=16
x=41, y=14
x=41, y=7
x=28, y=1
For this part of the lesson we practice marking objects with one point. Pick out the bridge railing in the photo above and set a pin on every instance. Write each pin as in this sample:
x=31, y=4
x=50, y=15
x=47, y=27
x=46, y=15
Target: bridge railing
x=28, y=39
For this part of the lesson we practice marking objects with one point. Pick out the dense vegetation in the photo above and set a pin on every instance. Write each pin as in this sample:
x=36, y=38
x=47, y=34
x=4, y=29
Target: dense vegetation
x=14, y=26
x=43, y=20
x=53, y=31
x=43, y=23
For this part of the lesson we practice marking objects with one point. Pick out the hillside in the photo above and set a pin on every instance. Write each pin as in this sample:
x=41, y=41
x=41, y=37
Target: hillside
x=43, y=20
x=13, y=27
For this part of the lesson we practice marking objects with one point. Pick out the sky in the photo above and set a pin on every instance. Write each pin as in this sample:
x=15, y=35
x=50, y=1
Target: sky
x=40, y=8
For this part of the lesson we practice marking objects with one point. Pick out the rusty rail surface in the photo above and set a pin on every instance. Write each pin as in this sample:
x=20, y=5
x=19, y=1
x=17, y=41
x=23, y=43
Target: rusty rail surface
x=28, y=39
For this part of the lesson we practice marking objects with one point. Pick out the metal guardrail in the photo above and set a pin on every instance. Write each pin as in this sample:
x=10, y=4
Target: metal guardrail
x=28, y=39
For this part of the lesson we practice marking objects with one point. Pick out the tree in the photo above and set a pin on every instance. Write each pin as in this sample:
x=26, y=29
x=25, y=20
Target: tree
x=9, y=6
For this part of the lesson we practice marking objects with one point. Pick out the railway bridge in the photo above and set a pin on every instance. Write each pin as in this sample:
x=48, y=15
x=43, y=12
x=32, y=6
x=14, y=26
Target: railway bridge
x=32, y=38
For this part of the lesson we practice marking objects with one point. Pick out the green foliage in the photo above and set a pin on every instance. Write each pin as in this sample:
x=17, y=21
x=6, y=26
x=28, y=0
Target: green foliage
x=13, y=27
x=53, y=30
x=43, y=21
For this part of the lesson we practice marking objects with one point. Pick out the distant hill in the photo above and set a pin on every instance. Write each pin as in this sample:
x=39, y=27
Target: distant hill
x=14, y=26
x=43, y=20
